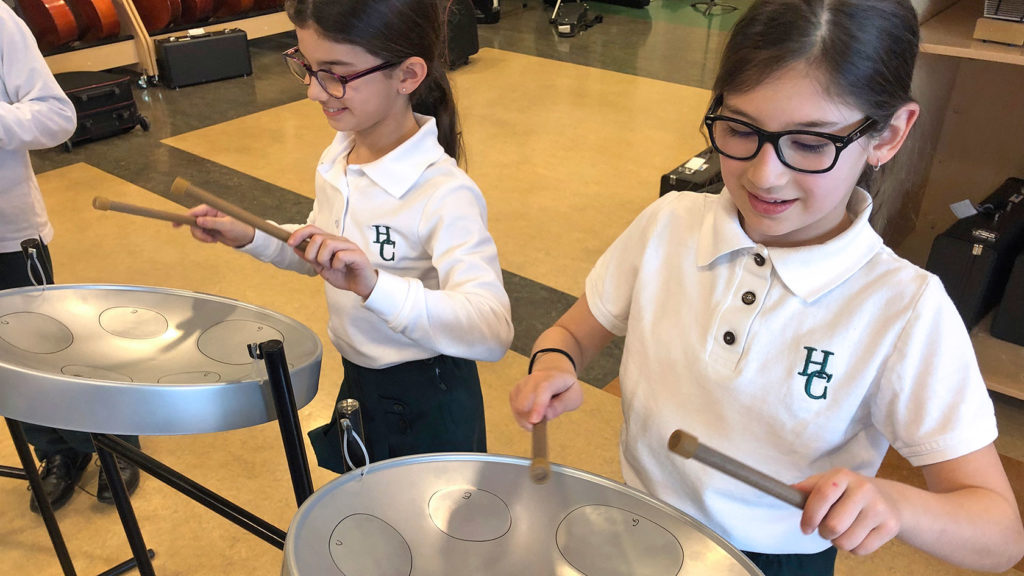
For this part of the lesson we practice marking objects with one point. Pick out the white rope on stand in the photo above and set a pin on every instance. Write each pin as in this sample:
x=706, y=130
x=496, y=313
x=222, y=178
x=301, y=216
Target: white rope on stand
x=344, y=448
x=32, y=258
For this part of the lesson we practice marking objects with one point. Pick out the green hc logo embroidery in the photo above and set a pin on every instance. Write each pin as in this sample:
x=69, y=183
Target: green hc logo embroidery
x=820, y=373
x=385, y=243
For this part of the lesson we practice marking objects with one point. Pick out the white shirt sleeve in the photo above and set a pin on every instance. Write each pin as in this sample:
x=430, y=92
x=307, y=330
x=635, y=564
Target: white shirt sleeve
x=269, y=249
x=470, y=315
x=34, y=111
x=932, y=403
x=612, y=281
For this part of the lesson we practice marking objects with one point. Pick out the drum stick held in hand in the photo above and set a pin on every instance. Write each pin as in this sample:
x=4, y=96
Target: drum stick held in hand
x=182, y=187
x=101, y=203
x=540, y=468
x=687, y=446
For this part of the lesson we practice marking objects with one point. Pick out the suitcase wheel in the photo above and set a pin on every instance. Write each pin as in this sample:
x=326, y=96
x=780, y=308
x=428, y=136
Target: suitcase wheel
x=144, y=122
x=67, y=146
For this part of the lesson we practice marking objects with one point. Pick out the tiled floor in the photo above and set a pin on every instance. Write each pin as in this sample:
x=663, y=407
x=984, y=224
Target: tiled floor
x=567, y=138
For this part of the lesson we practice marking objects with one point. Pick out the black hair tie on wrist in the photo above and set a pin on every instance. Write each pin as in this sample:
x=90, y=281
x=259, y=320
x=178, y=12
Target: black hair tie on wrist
x=555, y=350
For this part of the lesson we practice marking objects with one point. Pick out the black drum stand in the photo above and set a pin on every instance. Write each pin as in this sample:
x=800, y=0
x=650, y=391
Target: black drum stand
x=107, y=445
x=28, y=472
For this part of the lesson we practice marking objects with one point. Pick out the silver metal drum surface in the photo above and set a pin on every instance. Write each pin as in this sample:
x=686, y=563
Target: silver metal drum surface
x=140, y=360
x=466, y=514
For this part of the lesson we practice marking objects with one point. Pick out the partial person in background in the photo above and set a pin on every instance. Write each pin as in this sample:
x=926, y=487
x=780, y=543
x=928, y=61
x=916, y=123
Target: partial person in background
x=36, y=114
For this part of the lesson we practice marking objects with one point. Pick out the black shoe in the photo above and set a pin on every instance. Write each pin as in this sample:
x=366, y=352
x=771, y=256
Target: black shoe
x=60, y=474
x=130, y=475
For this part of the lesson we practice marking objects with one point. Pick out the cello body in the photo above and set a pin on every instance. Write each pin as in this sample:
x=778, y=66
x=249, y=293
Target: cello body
x=51, y=21
x=158, y=14
x=97, y=19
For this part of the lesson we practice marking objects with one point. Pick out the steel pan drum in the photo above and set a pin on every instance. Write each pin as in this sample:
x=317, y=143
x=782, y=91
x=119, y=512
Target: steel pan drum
x=141, y=360
x=473, y=514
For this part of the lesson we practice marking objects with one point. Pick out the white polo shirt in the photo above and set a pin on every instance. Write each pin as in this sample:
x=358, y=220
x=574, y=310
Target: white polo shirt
x=791, y=360
x=422, y=222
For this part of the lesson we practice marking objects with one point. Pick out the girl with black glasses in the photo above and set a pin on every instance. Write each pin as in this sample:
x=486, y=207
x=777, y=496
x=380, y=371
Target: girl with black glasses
x=772, y=322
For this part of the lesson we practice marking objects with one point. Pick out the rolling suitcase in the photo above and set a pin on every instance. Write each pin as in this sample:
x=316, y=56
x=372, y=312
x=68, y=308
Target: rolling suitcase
x=196, y=59
x=974, y=256
x=699, y=173
x=104, y=104
x=463, y=41
x=1008, y=323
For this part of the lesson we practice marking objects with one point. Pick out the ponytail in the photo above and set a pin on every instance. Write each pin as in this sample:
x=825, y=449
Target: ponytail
x=434, y=98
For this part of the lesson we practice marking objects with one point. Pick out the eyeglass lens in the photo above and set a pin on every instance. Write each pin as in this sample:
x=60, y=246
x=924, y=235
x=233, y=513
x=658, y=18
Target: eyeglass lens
x=330, y=83
x=800, y=151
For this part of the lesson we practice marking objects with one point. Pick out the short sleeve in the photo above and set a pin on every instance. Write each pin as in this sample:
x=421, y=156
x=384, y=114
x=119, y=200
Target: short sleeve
x=932, y=404
x=613, y=279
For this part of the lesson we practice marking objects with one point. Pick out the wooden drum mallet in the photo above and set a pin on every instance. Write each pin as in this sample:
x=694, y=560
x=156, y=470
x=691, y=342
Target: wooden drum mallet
x=182, y=187
x=540, y=467
x=101, y=203
x=687, y=446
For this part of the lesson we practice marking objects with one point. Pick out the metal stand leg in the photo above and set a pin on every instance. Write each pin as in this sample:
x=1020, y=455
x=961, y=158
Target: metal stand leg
x=126, y=565
x=250, y=522
x=12, y=472
x=124, y=509
x=28, y=465
x=272, y=354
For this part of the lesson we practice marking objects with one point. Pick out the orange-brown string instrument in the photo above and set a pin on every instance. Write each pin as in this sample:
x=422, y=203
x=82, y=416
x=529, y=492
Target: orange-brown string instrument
x=158, y=14
x=193, y=11
x=51, y=22
x=228, y=8
x=97, y=19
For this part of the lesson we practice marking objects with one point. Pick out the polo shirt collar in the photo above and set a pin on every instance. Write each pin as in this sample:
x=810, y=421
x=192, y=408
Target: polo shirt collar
x=397, y=171
x=808, y=271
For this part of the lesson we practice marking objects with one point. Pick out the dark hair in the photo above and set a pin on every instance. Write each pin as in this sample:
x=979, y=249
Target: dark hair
x=864, y=49
x=393, y=30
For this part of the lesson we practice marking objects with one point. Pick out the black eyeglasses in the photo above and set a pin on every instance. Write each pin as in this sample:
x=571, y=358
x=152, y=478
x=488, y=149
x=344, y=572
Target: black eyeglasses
x=801, y=150
x=333, y=84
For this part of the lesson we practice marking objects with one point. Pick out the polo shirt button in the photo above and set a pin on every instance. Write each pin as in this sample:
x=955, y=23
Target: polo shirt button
x=759, y=259
x=749, y=298
x=729, y=338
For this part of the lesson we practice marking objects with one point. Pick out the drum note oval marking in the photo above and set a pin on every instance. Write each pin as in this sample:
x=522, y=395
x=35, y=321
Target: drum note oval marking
x=228, y=341
x=469, y=514
x=34, y=332
x=365, y=545
x=133, y=322
x=94, y=373
x=603, y=540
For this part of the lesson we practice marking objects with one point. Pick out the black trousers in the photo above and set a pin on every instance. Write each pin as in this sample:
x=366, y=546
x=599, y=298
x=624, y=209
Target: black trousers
x=15, y=272
x=821, y=564
x=419, y=407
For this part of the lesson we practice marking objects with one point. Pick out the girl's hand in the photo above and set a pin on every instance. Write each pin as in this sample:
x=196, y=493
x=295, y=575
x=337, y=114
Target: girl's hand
x=337, y=260
x=214, y=226
x=544, y=395
x=849, y=509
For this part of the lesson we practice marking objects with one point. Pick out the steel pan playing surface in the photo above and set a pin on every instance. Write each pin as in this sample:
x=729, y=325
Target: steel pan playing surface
x=472, y=514
x=141, y=360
